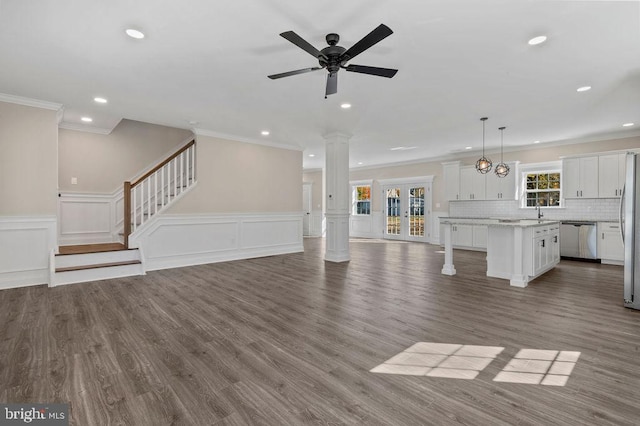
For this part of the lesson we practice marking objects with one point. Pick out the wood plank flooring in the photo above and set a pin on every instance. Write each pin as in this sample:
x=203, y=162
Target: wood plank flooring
x=290, y=340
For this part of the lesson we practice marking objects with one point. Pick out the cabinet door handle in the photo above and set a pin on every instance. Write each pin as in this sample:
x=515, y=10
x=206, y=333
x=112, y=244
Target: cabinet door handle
x=542, y=243
x=603, y=235
x=616, y=192
x=555, y=238
x=577, y=193
x=581, y=192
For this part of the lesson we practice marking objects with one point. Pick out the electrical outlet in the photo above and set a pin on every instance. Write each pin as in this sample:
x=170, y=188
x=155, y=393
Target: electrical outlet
x=74, y=181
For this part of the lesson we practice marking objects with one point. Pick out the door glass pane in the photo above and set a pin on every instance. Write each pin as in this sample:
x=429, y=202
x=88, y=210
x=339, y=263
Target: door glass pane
x=416, y=211
x=393, y=211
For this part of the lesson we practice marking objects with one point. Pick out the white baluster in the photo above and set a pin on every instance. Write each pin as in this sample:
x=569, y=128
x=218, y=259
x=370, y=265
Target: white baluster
x=174, y=186
x=193, y=163
x=162, y=185
x=181, y=161
x=148, y=198
x=155, y=193
x=133, y=211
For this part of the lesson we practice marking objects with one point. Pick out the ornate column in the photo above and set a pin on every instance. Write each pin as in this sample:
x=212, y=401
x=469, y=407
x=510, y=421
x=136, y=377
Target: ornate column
x=337, y=197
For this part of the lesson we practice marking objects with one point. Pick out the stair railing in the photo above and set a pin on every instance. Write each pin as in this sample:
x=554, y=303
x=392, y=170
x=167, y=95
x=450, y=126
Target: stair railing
x=153, y=191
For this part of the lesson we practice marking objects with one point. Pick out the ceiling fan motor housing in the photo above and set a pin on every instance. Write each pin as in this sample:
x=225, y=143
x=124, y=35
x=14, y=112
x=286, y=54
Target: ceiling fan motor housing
x=331, y=54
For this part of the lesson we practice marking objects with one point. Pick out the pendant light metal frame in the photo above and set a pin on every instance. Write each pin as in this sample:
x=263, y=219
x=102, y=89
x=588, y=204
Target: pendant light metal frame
x=483, y=165
x=502, y=168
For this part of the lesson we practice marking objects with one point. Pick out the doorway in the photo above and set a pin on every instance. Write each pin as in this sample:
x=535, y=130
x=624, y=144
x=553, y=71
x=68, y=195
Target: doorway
x=407, y=207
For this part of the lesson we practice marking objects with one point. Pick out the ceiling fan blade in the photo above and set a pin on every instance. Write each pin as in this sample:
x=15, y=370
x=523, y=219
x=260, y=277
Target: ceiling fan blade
x=332, y=84
x=378, y=34
x=302, y=44
x=381, y=72
x=290, y=73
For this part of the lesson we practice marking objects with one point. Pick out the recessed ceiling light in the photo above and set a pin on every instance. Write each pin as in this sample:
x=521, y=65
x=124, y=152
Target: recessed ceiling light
x=537, y=40
x=134, y=33
x=345, y=105
x=193, y=122
x=264, y=133
x=536, y=141
x=359, y=163
x=627, y=124
x=312, y=155
x=583, y=88
x=87, y=119
x=468, y=147
x=100, y=100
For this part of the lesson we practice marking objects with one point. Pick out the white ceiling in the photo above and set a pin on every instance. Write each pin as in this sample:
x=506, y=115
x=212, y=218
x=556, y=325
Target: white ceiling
x=207, y=62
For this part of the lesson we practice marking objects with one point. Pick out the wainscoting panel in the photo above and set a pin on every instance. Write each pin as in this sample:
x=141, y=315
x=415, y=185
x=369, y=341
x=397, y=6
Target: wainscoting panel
x=87, y=218
x=182, y=240
x=317, y=223
x=366, y=226
x=25, y=246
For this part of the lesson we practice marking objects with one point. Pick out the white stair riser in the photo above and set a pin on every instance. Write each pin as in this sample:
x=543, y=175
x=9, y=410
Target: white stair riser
x=70, y=260
x=95, y=274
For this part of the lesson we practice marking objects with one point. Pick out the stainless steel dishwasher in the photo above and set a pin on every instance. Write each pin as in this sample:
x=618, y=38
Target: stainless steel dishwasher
x=578, y=240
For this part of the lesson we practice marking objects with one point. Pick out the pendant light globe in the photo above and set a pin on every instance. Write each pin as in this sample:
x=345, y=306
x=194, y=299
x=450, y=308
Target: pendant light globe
x=483, y=165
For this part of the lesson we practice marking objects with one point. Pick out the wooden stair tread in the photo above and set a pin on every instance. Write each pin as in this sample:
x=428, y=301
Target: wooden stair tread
x=98, y=265
x=90, y=248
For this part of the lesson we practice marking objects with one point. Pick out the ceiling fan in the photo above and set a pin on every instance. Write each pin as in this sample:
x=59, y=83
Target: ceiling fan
x=334, y=57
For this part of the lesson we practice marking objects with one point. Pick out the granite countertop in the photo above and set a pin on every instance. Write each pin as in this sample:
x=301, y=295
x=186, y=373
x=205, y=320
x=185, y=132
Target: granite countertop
x=524, y=223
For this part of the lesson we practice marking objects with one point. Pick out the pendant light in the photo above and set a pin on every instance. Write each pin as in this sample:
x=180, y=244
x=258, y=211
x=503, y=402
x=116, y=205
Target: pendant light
x=483, y=165
x=502, y=169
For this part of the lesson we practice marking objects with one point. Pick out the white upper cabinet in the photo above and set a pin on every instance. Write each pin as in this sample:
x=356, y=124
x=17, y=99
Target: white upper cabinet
x=580, y=177
x=502, y=188
x=451, y=177
x=472, y=184
x=611, y=177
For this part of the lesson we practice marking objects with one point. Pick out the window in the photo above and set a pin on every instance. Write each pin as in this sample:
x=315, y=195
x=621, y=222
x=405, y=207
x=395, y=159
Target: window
x=361, y=199
x=542, y=189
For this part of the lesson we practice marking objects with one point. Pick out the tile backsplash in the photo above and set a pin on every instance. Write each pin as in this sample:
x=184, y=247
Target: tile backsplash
x=603, y=209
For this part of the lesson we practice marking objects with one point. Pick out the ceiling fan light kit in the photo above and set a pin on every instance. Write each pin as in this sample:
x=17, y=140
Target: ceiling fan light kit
x=483, y=165
x=334, y=57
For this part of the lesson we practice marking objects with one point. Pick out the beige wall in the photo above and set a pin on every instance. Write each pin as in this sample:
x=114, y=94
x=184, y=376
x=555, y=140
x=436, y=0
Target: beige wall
x=536, y=155
x=101, y=163
x=236, y=177
x=315, y=178
x=28, y=160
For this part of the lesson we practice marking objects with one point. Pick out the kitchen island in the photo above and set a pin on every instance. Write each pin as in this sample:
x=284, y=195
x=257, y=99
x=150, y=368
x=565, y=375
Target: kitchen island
x=519, y=250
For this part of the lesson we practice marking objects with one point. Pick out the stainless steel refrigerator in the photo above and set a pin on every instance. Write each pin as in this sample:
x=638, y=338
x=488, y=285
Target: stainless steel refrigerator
x=630, y=228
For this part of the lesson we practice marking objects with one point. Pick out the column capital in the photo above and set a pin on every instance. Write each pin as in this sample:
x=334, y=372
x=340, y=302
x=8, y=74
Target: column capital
x=337, y=136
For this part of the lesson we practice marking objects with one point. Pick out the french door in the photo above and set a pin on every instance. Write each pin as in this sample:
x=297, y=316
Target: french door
x=404, y=217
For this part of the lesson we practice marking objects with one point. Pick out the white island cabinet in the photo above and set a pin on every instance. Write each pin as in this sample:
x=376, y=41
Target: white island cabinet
x=517, y=249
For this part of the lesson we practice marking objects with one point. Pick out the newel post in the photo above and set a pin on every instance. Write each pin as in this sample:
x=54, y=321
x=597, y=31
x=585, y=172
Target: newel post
x=127, y=213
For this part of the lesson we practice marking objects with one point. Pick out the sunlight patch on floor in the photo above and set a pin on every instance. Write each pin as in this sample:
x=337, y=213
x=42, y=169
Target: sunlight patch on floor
x=538, y=366
x=457, y=361
x=440, y=360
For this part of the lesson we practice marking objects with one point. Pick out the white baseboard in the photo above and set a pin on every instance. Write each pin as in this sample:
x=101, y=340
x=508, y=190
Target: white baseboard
x=25, y=245
x=184, y=240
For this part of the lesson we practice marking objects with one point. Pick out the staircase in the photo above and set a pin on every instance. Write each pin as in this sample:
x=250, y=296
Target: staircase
x=144, y=198
x=92, y=262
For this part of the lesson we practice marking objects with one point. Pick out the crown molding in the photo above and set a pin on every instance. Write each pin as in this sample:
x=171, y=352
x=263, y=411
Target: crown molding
x=36, y=103
x=212, y=134
x=83, y=128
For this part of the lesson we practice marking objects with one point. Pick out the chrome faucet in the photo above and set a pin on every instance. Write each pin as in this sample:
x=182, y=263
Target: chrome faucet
x=540, y=215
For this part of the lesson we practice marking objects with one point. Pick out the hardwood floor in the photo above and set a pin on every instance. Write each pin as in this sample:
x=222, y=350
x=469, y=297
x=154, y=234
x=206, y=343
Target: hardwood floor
x=290, y=340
